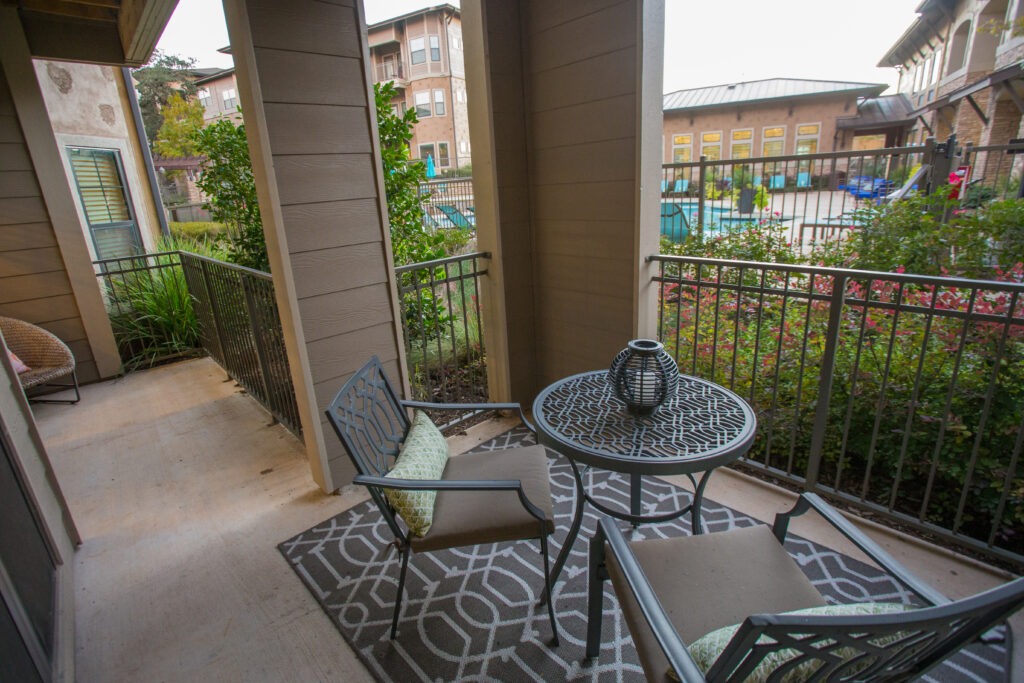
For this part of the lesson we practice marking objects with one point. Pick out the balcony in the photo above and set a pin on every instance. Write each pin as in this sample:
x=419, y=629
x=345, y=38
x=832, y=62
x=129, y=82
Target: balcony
x=182, y=488
x=391, y=71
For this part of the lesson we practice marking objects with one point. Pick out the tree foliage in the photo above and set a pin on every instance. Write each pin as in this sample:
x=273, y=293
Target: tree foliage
x=410, y=243
x=177, y=135
x=164, y=75
x=227, y=179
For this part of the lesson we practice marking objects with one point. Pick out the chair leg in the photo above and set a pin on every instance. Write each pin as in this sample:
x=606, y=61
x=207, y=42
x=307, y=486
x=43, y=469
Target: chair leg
x=595, y=594
x=547, y=589
x=401, y=590
x=73, y=385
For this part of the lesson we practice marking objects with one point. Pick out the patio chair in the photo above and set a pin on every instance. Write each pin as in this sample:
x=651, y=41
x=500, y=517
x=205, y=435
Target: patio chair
x=681, y=186
x=803, y=180
x=777, y=182
x=673, y=222
x=47, y=357
x=664, y=187
x=481, y=497
x=675, y=591
x=458, y=219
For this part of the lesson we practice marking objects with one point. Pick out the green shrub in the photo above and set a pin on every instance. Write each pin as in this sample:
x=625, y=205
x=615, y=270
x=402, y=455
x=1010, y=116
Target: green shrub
x=151, y=310
x=197, y=230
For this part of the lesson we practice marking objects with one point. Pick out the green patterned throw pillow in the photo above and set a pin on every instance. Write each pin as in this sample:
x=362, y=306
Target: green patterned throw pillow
x=706, y=650
x=423, y=456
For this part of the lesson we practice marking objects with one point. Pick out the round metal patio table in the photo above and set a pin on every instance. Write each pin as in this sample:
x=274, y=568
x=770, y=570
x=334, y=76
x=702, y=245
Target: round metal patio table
x=702, y=427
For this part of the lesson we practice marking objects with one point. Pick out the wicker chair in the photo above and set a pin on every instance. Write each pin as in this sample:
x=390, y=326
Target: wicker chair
x=47, y=357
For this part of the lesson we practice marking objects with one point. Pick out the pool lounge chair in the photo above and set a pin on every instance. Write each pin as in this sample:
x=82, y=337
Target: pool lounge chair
x=681, y=186
x=674, y=224
x=664, y=187
x=458, y=219
x=803, y=180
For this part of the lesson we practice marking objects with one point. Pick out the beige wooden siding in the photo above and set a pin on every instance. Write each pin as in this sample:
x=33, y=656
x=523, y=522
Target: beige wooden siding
x=34, y=285
x=581, y=96
x=310, y=58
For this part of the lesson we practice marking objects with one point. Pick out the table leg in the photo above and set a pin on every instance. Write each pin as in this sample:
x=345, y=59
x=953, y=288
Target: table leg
x=574, y=528
x=635, y=495
x=698, y=498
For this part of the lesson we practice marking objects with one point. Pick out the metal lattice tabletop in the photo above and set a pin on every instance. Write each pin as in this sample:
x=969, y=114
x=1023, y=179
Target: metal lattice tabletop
x=701, y=427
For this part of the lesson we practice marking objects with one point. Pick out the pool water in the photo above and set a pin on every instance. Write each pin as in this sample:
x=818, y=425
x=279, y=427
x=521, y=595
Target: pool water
x=677, y=218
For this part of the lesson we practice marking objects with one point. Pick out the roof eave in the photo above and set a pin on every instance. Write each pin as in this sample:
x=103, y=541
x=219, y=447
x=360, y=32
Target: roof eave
x=872, y=91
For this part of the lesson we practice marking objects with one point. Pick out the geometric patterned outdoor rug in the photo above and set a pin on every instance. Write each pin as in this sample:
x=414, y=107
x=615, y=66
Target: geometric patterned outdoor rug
x=471, y=614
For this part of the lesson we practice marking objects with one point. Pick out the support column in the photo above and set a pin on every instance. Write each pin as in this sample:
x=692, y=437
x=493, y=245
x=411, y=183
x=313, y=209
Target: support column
x=305, y=85
x=565, y=115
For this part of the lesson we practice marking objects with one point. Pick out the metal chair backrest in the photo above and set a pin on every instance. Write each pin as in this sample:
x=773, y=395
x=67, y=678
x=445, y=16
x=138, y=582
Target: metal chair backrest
x=887, y=647
x=368, y=417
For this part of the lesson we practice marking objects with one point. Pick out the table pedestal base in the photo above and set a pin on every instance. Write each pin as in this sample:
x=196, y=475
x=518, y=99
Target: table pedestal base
x=633, y=516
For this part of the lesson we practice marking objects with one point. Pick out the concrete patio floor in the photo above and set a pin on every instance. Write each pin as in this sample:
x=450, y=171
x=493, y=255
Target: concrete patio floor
x=182, y=489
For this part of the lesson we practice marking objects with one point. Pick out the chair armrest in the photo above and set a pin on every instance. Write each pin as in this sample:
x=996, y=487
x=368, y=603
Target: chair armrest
x=664, y=631
x=453, y=485
x=889, y=563
x=472, y=406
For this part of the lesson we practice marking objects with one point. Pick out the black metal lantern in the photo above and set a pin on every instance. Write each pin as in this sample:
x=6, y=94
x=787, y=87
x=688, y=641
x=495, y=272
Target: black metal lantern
x=643, y=375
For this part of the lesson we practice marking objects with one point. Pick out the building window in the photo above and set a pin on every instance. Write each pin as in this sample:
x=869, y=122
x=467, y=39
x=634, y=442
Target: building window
x=442, y=154
x=711, y=145
x=422, y=102
x=108, y=210
x=460, y=95
x=426, y=150
x=463, y=147
x=773, y=141
x=681, y=149
x=435, y=49
x=741, y=143
x=204, y=97
x=230, y=99
x=439, y=102
x=958, y=47
x=417, y=51
x=807, y=142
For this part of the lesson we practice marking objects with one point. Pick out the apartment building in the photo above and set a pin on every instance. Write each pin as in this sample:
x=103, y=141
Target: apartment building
x=772, y=117
x=217, y=91
x=421, y=52
x=960, y=74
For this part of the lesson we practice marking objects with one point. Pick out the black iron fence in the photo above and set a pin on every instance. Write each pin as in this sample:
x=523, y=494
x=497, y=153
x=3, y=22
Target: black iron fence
x=239, y=327
x=814, y=196
x=441, y=320
x=167, y=305
x=900, y=394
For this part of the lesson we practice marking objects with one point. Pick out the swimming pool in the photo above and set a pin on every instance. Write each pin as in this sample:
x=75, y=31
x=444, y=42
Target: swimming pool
x=678, y=217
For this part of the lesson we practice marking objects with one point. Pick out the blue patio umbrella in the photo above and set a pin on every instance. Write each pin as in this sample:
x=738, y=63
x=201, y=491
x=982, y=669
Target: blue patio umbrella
x=431, y=171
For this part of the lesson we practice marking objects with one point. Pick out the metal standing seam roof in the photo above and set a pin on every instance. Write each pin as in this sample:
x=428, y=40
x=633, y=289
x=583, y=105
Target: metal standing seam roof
x=878, y=112
x=768, y=89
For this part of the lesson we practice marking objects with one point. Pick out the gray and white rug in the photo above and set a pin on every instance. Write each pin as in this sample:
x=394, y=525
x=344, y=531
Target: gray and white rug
x=472, y=614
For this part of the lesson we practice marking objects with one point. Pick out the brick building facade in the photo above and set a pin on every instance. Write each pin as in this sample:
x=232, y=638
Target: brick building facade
x=421, y=52
x=962, y=77
x=760, y=118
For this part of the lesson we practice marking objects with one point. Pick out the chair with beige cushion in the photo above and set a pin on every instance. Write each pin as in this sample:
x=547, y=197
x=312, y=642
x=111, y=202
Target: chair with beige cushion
x=720, y=607
x=47, y=357
x=481, y=497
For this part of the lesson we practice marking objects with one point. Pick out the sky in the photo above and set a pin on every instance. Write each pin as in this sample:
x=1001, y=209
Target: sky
x=706, y=43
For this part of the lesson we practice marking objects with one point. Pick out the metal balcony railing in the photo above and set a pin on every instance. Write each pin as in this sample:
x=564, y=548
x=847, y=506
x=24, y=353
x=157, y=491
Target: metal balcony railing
x=389, y=71
x=899, y=394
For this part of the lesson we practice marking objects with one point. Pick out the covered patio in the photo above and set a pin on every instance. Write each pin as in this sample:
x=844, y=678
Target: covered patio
x=181, y=488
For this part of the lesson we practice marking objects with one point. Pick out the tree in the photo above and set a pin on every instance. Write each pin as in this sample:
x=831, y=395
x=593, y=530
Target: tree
x=410, y=243
x=177, y=136
x=227, y=180
x=163, y=76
